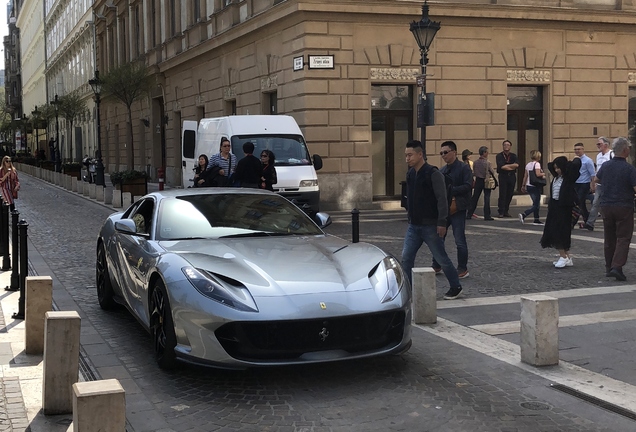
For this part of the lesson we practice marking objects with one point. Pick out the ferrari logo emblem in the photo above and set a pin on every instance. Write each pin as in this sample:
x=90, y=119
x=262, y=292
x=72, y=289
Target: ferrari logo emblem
x=323, y=305
x=324, y=333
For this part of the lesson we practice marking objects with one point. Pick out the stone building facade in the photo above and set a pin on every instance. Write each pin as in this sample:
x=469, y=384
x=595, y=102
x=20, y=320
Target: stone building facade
x=544, y=74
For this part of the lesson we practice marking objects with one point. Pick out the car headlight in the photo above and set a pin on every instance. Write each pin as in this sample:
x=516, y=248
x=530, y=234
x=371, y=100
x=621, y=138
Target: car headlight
x=387, y=279
x=236, y=297
x=308, y=183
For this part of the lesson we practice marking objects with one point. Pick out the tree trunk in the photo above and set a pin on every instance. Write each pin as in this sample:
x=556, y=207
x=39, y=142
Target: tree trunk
x=130, y=136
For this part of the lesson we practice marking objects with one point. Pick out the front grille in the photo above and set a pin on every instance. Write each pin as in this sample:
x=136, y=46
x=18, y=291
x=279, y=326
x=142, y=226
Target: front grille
x=285, y=340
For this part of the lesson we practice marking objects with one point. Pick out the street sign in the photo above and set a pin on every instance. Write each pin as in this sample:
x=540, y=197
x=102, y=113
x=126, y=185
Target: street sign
x=299, y=63
x=321, y=62
x=421, y=80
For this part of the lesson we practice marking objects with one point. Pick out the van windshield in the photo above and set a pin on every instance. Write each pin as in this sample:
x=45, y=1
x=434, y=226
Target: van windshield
x=288, y=150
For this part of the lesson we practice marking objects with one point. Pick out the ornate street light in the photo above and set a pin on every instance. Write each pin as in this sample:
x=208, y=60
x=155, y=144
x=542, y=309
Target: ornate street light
x=424, y=32
x=35, y=115
x=58, y=163
x=96, y=85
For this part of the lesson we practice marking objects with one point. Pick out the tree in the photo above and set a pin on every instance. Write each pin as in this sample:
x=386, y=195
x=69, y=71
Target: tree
x=71, y=106
x=128, y=83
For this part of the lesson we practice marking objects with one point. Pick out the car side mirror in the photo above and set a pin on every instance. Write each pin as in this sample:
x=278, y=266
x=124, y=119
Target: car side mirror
x=126, y=226
x=323, y=220
x=317, y=162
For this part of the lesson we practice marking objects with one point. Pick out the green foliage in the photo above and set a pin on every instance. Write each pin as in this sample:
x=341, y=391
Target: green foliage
x=119, y=177
x=71, y=106
x=128, y=82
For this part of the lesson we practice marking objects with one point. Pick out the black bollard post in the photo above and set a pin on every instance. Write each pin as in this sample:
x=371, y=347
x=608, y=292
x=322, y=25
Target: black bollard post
x=24, y=268
x=4, y=245
x=355, y=225
x=15, y=277
x=6, y=258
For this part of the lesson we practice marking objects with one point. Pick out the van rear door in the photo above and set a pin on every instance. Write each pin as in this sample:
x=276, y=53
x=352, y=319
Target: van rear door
x=188, y=152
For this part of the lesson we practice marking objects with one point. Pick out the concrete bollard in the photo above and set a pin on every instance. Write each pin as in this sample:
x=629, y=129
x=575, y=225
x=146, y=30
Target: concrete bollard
x=39, y=300
x=91, y=190
x=126, y=199
x=108, y=195
x=99, y=193
x=74, y=184
x=540, y=330
x=84, y=188
x=61, y=361
x=99, y=406
x=424, y=296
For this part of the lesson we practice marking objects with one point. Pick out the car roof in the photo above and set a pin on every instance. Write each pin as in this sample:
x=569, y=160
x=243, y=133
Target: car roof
x=171, y=193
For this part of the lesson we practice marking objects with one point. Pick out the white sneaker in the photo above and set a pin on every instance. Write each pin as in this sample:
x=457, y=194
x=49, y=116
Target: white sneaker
x=562, y=262
x=568, y=263
x=521, y=218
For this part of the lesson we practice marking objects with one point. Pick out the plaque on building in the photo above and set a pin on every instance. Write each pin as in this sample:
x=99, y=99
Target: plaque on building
x=402, y=74
x=299, y=63
x=522, y=75
x=269, y=82
x=229, y=92
x=320, y=62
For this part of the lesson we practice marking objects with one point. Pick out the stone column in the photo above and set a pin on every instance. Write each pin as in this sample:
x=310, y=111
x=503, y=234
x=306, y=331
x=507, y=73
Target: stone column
x=38, y=301
x=99, y=406
x=540, y=330
x=424, y=296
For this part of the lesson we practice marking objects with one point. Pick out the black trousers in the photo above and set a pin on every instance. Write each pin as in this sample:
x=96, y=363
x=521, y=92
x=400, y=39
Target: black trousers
x=506, y=190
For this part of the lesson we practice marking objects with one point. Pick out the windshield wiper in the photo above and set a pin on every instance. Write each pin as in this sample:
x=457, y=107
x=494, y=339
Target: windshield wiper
x=256, y=234
x=187, y=238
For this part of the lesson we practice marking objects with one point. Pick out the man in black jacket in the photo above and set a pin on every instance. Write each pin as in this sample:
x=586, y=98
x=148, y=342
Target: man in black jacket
x=427, y=212
x=507, y=164
x=248, y=170
x=462, y=178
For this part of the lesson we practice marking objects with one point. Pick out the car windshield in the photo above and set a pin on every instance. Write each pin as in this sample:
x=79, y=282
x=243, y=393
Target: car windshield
x=288, y=149
x=231, y=215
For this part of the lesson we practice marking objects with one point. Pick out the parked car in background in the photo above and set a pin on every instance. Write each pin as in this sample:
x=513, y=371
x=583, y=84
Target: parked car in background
x=242, y=277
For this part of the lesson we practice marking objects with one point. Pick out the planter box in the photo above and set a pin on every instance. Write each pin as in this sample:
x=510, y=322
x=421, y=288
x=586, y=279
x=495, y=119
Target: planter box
x=136, y=187
x=74, y=173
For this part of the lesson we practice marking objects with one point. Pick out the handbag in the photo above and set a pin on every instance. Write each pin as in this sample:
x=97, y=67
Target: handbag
x=490, y=182
x=536, y=181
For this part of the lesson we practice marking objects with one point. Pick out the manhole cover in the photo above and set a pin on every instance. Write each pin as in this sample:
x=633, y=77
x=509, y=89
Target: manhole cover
x=535, y=406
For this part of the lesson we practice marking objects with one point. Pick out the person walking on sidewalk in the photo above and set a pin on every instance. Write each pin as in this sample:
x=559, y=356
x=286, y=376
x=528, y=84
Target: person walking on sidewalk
x=482, y=170
x=534, y=191
x=603, y=156
x=617, y=207
x=507, y=164
x=582, y=185
x=427, y=209
x=9, y=184
x=557, y=232
x=462, y=180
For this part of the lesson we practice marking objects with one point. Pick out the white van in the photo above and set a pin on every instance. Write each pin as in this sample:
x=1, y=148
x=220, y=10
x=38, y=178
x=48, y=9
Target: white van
x=295, y=168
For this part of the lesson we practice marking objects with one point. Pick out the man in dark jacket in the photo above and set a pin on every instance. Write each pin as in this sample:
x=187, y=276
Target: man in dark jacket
x=427, y=208
x=462, y=178
x=248, y=170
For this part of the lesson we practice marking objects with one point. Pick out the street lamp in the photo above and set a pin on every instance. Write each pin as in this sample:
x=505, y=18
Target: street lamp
x=424, y=32
x=35, y=115
x=96, y=85
x=58, y=163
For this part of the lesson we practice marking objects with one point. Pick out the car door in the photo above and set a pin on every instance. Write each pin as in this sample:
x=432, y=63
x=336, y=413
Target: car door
x=136, y=254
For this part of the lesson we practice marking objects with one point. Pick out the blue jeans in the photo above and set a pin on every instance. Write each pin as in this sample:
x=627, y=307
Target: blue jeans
x=535, y=194
x=458, y=222
x=415, y=236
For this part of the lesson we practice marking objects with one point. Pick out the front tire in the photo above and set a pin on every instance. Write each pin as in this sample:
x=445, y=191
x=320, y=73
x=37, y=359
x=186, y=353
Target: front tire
x=163, y=334
x=105, y=295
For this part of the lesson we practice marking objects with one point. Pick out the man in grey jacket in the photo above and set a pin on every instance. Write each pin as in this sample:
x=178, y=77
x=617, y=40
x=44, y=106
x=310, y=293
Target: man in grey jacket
x=427, y=208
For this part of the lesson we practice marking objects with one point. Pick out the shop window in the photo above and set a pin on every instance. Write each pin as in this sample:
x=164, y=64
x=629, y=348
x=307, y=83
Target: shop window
x=391, y=97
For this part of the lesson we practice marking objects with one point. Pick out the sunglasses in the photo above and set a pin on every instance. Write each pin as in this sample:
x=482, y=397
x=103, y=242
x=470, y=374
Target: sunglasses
x=264, y=155
x=445, y=152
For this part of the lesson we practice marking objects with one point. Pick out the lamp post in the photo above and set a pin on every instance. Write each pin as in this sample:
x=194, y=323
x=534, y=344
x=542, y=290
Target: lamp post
x=424, y=32
x=35, y=115
x=55, y=102
x=96, y=85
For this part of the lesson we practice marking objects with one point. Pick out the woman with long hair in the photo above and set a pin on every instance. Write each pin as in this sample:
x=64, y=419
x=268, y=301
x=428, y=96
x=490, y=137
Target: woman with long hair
x=201, y=172
x=225, y=161
x=533, y=191
x=268, y=178
x=557, y=232
x=9, y=184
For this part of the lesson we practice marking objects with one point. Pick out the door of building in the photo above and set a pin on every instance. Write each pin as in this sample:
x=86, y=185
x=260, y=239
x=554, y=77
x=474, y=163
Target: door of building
x=525, y=125
x=392, y=128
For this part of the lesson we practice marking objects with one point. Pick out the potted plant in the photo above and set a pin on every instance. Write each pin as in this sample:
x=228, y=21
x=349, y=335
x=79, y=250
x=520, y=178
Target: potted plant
x=73, y=169
x=133, y=181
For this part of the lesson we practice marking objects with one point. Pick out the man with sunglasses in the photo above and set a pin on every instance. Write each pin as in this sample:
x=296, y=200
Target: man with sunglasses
x=462, y=180
x=507, y=164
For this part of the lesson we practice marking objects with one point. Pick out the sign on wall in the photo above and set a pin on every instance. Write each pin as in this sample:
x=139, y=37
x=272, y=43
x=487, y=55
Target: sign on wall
x=321, y=62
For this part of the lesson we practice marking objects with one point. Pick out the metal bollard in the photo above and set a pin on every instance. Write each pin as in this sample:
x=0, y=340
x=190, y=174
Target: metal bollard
x=4, y=227
x=4, y=245
x=24, y=267
x=355, y=225
x=15, y=277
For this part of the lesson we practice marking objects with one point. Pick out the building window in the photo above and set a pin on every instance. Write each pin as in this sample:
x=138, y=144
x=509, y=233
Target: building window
x=173, y=18
x=631, y=122
x=230, y=107
x=196, y=11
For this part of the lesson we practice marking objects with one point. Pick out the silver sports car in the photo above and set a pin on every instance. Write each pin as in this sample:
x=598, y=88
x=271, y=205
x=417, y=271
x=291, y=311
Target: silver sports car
x=237, y=278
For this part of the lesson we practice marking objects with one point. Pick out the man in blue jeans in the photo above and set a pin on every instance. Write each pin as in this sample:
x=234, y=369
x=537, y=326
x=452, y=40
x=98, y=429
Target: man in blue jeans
x=427, y=214
x=462, y=178
x=582, y=185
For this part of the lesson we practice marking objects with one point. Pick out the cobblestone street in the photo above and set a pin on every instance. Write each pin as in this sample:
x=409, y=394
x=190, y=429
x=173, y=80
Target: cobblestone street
x=437, y=386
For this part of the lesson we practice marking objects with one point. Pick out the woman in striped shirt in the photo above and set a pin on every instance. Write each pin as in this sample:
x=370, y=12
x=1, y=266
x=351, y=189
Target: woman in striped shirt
x=225, y=160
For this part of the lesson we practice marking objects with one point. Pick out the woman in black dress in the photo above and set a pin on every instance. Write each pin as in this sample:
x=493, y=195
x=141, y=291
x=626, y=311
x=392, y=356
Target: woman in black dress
x=557, y=232
x=268, y=177
x=201, y=173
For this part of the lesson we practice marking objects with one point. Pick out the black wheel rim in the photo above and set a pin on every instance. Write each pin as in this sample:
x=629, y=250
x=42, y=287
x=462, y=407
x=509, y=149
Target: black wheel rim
x=158, y=316
x=100, y=270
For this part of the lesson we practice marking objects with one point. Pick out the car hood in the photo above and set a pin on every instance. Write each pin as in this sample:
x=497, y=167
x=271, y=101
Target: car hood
x=272, y=266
